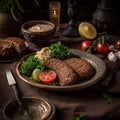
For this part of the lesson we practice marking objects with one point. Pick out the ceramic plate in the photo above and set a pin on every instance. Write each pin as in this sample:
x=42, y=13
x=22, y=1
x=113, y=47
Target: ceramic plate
x=96, y=62
x=38, y=107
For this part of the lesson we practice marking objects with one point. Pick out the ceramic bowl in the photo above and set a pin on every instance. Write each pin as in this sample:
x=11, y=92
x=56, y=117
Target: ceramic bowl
x=38, y=32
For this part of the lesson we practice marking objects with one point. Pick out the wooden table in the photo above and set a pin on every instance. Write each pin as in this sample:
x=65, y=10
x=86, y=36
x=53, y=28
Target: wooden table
x=88, y=101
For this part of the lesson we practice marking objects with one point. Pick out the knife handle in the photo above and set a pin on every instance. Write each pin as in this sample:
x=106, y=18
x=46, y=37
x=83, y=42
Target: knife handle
x=17, y=94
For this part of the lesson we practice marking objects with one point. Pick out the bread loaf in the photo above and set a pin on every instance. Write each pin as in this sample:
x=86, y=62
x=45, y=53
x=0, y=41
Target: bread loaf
x=5, y=48
x=17, y=43
x=11, y=45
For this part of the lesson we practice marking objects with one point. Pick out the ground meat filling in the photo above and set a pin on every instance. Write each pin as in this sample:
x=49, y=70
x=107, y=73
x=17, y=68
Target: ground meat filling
x=65, y=73
x=83, y=68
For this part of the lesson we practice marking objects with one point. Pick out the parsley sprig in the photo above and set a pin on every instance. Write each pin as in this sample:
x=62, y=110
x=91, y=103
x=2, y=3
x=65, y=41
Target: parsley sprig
x=30, y=64
x=59, y=50
x=107, y=98
x=80, y=117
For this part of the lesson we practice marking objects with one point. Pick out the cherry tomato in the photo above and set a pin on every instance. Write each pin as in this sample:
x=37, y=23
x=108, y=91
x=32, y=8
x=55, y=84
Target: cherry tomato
x=85, y=44
x=47, y=76
x=102, y=48
x=117, y=44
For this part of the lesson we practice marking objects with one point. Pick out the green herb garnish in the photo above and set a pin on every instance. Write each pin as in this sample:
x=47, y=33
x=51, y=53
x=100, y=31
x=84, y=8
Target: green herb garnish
x=55, y=83
x=58, y=50
x=80, y=117
x=30, y=64
x=107, y=98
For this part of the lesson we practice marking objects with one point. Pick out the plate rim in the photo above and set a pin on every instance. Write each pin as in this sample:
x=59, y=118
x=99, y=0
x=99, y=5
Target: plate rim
x=46, y=101
x=73, y=87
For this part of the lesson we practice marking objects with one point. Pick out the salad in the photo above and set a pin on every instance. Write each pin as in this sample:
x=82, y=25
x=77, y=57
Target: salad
x=35, y=68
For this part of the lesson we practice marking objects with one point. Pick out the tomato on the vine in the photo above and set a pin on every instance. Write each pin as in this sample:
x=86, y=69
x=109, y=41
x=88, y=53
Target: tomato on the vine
x=85, y=44
x=47, y=76
x=117, y=44
x=102, y=48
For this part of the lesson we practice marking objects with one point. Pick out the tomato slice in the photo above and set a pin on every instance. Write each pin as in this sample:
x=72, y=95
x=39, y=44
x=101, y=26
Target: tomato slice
x=47, y=76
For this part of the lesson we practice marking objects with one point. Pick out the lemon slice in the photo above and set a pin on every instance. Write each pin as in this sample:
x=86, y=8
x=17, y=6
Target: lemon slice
x=35, y=74
x=87, y=30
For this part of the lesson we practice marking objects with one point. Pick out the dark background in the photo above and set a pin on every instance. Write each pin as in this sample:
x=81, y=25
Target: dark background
x=31, y=11
x=85, y=10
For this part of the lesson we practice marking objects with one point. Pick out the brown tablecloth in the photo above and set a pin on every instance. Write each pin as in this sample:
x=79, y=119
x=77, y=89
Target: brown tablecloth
x=88, y=101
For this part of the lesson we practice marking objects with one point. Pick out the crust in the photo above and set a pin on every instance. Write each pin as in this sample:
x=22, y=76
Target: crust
x=11, y=45
x=18, y=43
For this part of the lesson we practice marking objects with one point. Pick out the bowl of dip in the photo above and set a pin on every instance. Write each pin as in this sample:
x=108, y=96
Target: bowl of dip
x=39, y=32
x=38, y=108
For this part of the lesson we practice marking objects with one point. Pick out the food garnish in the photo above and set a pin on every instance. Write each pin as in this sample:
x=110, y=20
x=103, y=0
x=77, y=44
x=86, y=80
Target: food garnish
x=34, y=65
x=102, y=48
x=30, y=64
x=59, y=50
x=97, y=45
x=87, y=30
x=107, y=98
x=80, y=117
x=85, y=45
x=35, y=74
x=48, y=64
x=47, y=76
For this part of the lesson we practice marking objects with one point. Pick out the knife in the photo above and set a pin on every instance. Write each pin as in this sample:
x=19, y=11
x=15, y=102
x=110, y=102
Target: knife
x=12, y=83
x=10, y=78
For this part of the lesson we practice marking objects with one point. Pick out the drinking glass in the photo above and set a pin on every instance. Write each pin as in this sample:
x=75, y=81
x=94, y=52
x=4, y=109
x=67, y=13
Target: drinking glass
x=54, y=8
